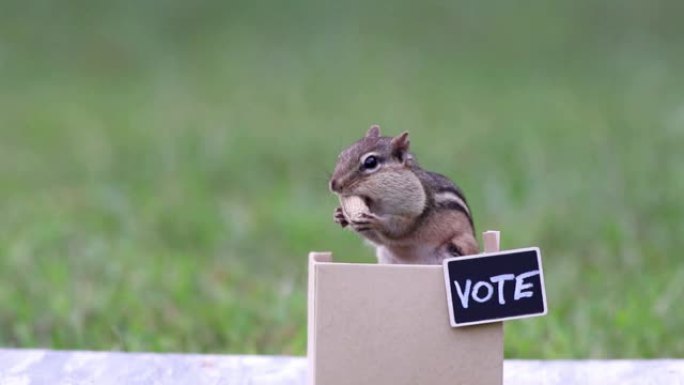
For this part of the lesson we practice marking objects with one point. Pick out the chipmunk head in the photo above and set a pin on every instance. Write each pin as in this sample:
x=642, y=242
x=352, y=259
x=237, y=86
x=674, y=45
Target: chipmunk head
x=373, y=155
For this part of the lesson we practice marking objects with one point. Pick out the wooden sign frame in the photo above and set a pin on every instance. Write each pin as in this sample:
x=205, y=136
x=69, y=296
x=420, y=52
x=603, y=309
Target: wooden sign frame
x=542, y=290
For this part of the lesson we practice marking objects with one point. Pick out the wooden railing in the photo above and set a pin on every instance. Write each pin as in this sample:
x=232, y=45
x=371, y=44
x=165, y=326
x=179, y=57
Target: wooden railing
x=38, y=367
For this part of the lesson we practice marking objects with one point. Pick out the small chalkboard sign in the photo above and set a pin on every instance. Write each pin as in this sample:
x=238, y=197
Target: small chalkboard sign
x=495, y=287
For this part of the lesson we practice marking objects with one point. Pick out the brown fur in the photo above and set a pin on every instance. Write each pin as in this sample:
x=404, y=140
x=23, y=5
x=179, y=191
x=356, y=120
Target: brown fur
x=405, y=222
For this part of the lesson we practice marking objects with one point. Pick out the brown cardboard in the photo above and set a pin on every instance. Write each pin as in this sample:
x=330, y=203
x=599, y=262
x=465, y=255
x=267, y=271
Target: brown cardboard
x=389, y=325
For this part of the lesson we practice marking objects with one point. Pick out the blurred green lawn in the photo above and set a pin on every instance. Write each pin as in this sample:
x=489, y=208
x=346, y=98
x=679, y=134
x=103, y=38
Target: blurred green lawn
x=163, y=165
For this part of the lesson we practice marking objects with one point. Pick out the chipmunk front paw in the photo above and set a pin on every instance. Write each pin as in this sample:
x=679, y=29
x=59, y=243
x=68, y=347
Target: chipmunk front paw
x=339, y=218
x=365, y=222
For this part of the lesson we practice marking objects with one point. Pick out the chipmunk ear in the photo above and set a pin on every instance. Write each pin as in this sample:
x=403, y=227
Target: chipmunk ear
x=400, y=146
x=373, y=131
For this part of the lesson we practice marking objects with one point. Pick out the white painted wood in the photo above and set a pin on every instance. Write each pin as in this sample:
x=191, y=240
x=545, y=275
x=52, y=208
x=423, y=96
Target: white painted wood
x=594, y=372
x=48, y=367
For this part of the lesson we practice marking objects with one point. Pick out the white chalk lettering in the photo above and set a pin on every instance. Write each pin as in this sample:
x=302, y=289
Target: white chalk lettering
x=483, y=291
x=501, y=279
x=476, y=289
x=463, y=296
x=520, y=286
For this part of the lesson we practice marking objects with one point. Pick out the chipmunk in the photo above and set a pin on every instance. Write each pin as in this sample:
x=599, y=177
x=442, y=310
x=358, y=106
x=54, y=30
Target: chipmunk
x=413, y=216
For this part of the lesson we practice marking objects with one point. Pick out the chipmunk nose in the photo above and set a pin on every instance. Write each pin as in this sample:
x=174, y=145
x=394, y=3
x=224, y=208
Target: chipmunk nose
x=334, y=185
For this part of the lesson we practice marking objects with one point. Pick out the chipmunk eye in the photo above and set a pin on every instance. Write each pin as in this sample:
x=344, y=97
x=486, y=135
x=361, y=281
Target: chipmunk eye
x=370, y=163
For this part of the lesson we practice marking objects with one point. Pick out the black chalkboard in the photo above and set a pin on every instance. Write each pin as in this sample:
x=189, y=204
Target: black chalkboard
x=495, y=286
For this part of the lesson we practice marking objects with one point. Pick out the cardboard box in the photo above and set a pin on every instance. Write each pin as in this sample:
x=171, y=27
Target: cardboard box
x=373, y=324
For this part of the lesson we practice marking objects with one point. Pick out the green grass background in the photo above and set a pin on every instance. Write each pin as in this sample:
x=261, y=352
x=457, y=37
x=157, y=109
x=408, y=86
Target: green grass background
x=163, y=165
